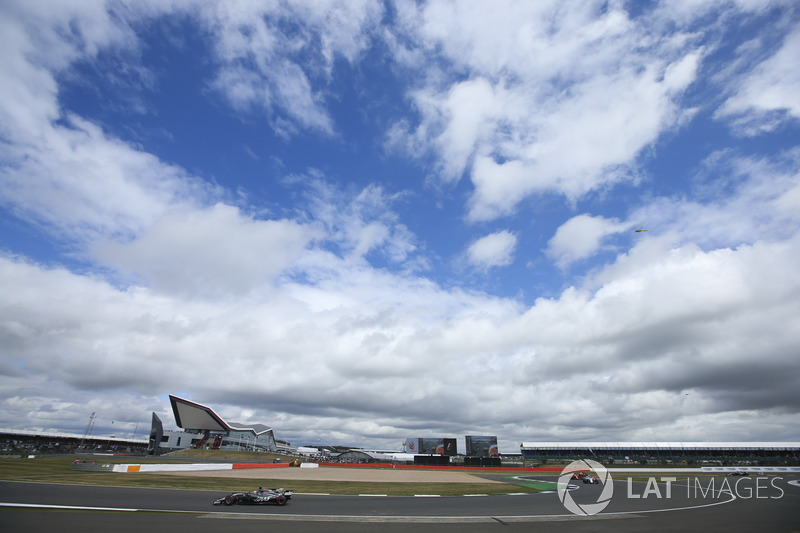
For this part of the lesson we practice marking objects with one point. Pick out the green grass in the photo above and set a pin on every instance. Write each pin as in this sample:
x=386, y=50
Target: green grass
x=539, y=485
x=263, y=457
x=56, y=470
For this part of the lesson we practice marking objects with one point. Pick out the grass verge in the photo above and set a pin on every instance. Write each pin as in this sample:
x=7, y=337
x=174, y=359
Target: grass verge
x=56, y=470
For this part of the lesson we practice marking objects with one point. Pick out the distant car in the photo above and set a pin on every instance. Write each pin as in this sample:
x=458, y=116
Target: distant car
x=739, y=473
x=591, y=480
x=577, y=476
x=259, y=496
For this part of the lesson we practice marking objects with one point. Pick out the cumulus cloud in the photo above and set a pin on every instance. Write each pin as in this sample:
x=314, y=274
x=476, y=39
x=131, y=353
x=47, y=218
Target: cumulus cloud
x=83, y=184
x=62, y=171
x=659, y=321
x=581, y=237
x=657, y=325
x=215, y=251
x=563, y=106
x=496, y=249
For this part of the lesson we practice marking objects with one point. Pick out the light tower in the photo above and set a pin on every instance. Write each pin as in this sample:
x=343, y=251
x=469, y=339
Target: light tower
x=88, y=431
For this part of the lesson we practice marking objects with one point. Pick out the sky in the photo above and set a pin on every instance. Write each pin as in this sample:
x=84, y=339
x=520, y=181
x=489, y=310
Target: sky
x=363, y=221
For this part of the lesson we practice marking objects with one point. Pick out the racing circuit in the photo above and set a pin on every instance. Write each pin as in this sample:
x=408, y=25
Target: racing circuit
x=715, y=503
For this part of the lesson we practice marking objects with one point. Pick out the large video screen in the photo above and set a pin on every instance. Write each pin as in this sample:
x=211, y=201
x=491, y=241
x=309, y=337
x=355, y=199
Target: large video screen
x=449, y=446
x=412, y=445
x=431, y=446
x=481, y=446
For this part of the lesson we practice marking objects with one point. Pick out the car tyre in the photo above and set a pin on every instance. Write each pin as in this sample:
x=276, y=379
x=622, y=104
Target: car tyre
x=280, y=500
x=230, y=500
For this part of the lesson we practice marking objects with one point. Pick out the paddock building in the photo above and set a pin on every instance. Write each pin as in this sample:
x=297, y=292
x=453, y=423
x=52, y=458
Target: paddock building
x=203, y=428
x=773, y=453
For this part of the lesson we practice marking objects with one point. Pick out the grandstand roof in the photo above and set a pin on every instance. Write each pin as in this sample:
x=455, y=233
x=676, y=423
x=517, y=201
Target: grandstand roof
x=191, y=415
x=8, y=432
x=661, y=445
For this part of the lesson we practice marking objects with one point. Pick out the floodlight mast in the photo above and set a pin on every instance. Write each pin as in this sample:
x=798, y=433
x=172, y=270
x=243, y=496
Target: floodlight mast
x=88, y=431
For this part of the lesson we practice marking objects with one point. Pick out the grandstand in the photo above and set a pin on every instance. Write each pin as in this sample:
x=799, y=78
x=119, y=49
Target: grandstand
x=756, y=453
x=23, y=442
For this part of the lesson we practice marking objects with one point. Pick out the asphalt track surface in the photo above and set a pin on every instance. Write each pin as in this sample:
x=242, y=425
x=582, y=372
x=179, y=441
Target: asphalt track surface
x=31, y=507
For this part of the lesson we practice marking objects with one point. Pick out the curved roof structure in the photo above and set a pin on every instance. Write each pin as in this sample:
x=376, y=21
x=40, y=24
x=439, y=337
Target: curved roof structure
x=191, y=415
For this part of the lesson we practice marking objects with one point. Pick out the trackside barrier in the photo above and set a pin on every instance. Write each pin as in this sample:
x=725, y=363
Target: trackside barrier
x=132, y=468
x=172, y=467
x=757, y=469
x=655, y=470
x=241, y=466
x=451, y=467
x=709, y=470
x=193, y=467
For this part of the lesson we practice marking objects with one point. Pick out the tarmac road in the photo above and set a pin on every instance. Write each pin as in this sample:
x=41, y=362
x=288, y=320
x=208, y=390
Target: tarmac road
x=166, y=510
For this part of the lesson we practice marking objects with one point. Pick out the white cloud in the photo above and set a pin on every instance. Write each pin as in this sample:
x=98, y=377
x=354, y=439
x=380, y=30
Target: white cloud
x=210, y=252
x=738, y=200
x=564, y=105
x=468, y=111
x=662, y=319
x=260, y=65
x=494, y=250
x=61, y=171
x=298, y=321
x=84, y=185
x=581, y=237
x=359, y=223
x=284, y=73
x=769, y=92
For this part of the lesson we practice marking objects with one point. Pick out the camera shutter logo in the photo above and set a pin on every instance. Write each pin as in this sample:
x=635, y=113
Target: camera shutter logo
x=586, y=509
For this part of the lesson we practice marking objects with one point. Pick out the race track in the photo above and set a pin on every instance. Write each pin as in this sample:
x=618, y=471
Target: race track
x=65, y=508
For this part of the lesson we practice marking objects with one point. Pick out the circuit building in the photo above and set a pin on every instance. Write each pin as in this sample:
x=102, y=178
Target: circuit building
x=203, y=428
x=778, y=453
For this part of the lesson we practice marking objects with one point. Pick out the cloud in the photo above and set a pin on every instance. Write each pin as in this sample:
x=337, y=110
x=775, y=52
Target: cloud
x=581, y=237
x=467, y=112
x=737, y=200
x=768, y=95
x=566, y=105
x=327, y=316
x=82, y=184
x=215, y=251
x=260, y=65
x=283, y=71
x=661, y=319
x=358, y=223
x=585, y=142
x=494, y=250
x=61, y=171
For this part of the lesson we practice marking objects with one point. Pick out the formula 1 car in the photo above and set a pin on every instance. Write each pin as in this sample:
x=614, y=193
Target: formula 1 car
x=260, y=496
x=591, y=480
